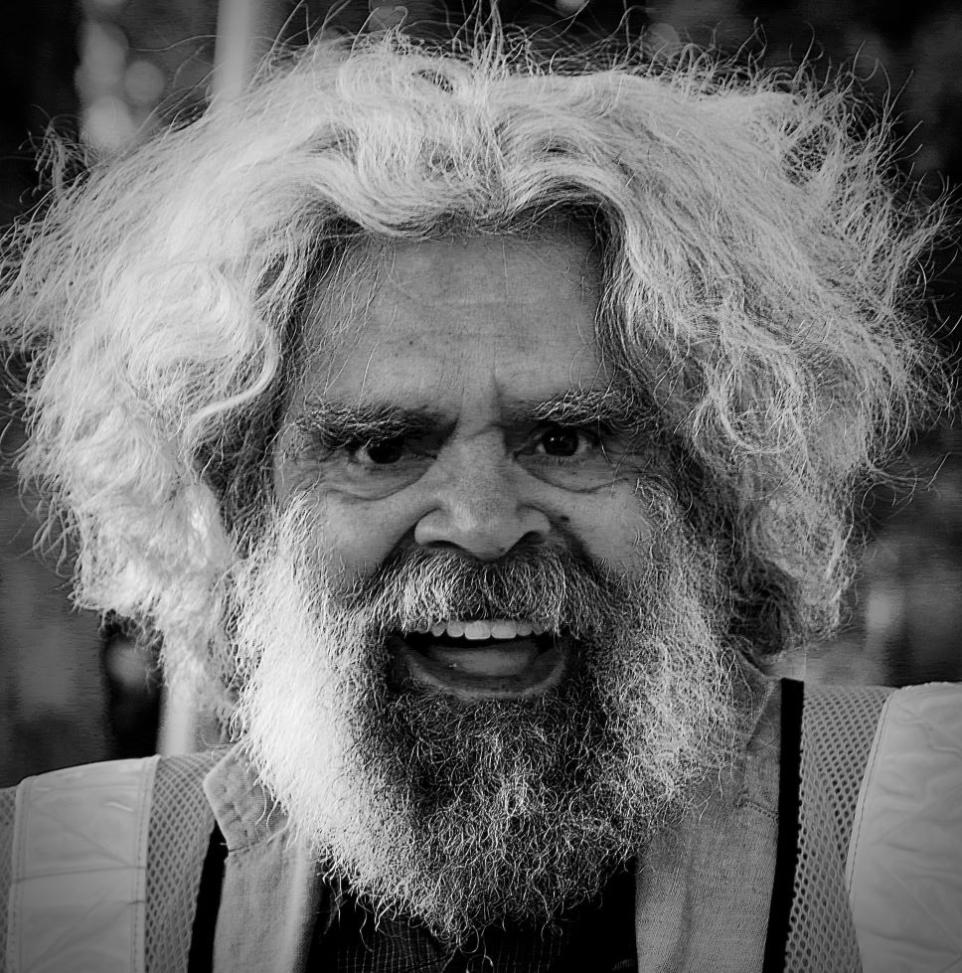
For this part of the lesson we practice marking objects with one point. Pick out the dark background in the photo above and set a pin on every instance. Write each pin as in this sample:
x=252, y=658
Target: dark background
x=74, y=688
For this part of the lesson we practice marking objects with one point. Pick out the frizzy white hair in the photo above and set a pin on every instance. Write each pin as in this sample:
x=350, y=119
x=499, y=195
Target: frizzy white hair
x=760, y=298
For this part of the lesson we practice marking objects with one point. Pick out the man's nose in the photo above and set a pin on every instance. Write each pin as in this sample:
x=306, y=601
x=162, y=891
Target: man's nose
x=478, y=506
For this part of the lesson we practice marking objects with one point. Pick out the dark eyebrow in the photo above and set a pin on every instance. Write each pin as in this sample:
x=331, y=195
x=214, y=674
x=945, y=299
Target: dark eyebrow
x=336, y=423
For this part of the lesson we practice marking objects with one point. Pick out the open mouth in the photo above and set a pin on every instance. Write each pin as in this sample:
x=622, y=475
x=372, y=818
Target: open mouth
x=490, y=657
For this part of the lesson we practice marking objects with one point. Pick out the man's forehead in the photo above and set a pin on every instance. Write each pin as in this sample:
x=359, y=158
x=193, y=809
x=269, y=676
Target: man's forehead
x=431, y=318
x=518, y=269
x=469, y=270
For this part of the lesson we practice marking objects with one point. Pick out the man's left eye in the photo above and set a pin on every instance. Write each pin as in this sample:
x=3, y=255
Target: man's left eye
x=563, y=442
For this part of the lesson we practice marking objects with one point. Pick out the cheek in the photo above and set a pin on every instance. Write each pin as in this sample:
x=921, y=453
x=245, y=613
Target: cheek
x=352, y=535
x=613, y=526
x=356, y=535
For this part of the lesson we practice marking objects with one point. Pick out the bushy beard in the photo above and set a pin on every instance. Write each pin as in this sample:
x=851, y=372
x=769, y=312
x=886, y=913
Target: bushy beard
x=464, y=814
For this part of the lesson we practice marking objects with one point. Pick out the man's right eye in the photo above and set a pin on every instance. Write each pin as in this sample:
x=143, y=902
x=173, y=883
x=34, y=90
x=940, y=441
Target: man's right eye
x=378, y=452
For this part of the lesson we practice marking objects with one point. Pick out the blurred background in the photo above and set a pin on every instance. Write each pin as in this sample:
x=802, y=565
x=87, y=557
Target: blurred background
x=75, y=687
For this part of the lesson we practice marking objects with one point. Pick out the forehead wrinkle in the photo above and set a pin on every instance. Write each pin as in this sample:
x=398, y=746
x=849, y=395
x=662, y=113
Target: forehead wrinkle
x=405, y=299
x=367, y=366
x=580, y=266
x=504, y=268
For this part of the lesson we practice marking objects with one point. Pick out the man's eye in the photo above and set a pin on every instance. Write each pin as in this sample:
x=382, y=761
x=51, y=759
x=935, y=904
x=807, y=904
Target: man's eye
x=381, y=452
x=563, y=441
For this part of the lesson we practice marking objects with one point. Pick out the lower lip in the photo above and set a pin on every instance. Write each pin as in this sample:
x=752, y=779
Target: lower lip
x=508, y=670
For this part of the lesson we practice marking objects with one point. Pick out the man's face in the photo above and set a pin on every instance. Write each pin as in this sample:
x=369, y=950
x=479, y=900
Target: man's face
x=468, y=412
x=477, y=646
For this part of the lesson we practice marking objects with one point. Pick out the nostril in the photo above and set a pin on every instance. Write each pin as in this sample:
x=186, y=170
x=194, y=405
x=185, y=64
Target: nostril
x=532, y=538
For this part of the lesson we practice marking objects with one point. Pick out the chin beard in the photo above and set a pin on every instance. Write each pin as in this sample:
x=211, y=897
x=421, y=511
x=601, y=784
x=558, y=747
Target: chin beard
x=466, y=814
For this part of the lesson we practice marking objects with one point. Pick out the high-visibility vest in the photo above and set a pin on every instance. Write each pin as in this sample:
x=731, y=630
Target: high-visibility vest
x=105, y=856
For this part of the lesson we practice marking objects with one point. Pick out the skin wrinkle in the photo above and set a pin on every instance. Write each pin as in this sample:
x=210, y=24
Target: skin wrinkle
x=418, y=380
x=504, y=266
x=337, y=422
x=368, y=368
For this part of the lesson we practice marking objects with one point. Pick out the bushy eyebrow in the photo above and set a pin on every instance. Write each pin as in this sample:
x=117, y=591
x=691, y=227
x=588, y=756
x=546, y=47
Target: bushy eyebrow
x=590, y=407
x=335, y=423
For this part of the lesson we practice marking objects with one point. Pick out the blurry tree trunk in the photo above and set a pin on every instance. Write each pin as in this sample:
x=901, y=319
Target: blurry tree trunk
x=246, y=31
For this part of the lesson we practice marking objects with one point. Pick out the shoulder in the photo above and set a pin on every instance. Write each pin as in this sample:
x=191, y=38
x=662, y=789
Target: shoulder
x=138, y=782
x=99, y=803
x=936, y=703
x=863, y=746
x=894, y=773
x=96, y=842
x=904, y=864
x=913, y=772
x=861, y=726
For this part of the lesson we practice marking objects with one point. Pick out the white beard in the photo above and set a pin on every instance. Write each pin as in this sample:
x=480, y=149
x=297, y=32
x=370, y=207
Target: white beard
x=462, y=815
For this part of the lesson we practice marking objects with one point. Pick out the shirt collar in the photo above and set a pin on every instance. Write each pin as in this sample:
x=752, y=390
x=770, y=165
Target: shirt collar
x=245, y=811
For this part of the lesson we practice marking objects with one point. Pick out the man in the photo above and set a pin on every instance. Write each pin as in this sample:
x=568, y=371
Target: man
x=473, y=429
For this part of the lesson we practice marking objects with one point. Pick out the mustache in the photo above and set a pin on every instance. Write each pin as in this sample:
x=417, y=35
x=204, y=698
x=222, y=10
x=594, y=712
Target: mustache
x=564, y=590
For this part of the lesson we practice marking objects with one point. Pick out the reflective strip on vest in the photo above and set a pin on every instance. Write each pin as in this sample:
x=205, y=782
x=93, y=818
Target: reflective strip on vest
x=78, y=894
x=904, y=868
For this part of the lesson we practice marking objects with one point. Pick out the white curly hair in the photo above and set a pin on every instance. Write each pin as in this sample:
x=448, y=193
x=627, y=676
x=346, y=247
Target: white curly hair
x=762, y=273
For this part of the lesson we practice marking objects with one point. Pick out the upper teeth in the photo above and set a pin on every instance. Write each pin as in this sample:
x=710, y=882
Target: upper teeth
x=495, y=628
